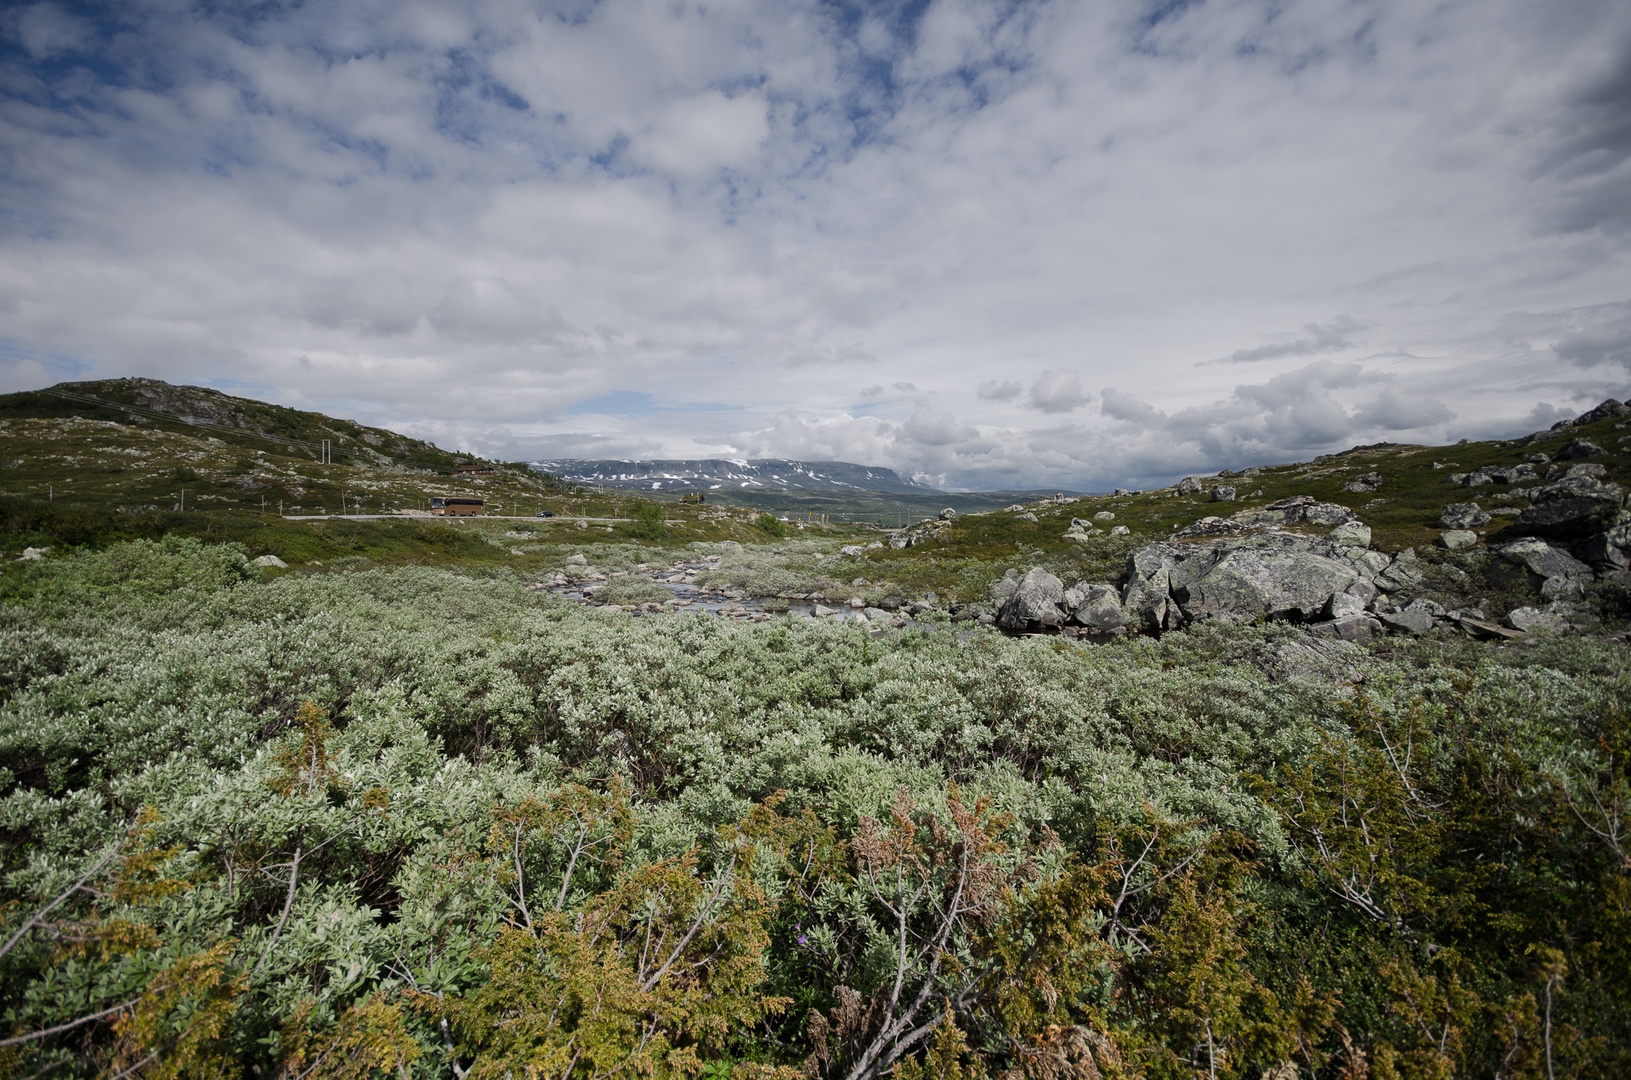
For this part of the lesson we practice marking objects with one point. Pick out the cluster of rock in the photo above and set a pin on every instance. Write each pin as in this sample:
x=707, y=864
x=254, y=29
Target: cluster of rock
x=1365, y=484
x=1608, y=410
x=1084, y=529
x=1576, y=512
x=1299, y=509
x=936, y=528
x=1244, y=569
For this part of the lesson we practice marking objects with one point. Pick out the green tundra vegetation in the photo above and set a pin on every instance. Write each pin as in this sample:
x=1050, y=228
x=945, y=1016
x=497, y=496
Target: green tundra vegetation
x=417, y=821
x=390, y=811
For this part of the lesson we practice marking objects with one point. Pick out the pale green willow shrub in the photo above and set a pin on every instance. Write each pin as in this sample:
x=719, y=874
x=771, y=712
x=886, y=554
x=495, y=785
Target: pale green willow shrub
x=462, y=696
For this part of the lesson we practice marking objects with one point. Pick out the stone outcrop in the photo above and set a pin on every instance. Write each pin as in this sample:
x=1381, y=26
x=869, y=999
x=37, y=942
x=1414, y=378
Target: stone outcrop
x=1264, y=576
x=923, y=532
x=1580, y=448
x=1034, y=603
x=1463, y=516
x=1608, y=410
x=1298, y=508
x=1572, y=508
x=1457, y=539
x=1610, y=549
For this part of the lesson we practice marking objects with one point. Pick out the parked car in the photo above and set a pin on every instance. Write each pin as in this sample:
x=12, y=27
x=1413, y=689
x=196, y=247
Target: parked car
x=546, y=513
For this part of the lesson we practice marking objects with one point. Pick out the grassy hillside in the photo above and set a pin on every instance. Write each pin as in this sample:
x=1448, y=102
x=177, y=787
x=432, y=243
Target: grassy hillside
x=135, y=458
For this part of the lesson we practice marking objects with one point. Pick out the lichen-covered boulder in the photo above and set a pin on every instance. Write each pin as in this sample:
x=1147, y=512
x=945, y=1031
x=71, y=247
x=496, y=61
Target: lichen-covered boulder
x=1353, y=532
x=1035, y=602
x=1580, y=448
x=1544, y=560
x=1250, y=583
x=1610, y=549
x=1098, y=607
x=1003, y=589
x=1457, y=539
x=1463, y=516
x=1571, y=508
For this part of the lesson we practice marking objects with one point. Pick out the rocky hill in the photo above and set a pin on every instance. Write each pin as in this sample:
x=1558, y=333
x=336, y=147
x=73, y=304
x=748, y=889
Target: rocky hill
x=141, y=444
x=1538, y=537
x=241, y=422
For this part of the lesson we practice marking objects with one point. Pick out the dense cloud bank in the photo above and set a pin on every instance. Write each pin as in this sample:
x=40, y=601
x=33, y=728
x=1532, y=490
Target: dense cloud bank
x=983, y=244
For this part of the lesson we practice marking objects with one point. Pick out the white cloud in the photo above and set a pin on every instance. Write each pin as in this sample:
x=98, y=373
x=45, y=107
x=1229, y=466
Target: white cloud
x=1057, y=392
x=465, y=217
x=936, y=429
x=708, y=131
x=1334, y=336
x=45, y=30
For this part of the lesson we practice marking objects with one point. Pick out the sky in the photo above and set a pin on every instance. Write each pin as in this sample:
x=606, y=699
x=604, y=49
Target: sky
x=989, y=245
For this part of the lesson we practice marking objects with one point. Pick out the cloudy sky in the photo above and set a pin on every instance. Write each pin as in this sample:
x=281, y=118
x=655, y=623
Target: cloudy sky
x=987, y=244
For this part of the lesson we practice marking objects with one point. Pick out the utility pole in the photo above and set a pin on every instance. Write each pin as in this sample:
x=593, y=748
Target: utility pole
x=183, y=500
x=50, y=493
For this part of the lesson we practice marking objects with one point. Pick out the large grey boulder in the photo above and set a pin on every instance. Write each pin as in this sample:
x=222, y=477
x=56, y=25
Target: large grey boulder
x=1366, y=483
x=947, y=514
x=1543, y=559
x=1571, y=508
x=1295, y=509
x=1608, y=410
x=1003, y=589
x=1457, y=539
x=1098, y=607
x=1354, y=532
x=1529, y=618
x=1348, y=628
x=1579, y=448
x=1610, y=549
x=1146, y=592
x=1403, y=574
x=1410, y=621
x=1189, y=485
x=1344, y=604
x=1239, y=580
x=1036, y=600
x=1463, y=516
x=1212, y=525
x=1264, y=582
x=1327, y=514
x=272, y=561
x=1223, y=493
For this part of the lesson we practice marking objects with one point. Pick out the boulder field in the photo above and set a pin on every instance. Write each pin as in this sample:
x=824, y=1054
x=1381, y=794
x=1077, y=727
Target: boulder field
x=1248, y=568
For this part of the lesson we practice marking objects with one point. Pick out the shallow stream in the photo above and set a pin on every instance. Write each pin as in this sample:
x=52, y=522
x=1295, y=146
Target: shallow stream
x=682, y=579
